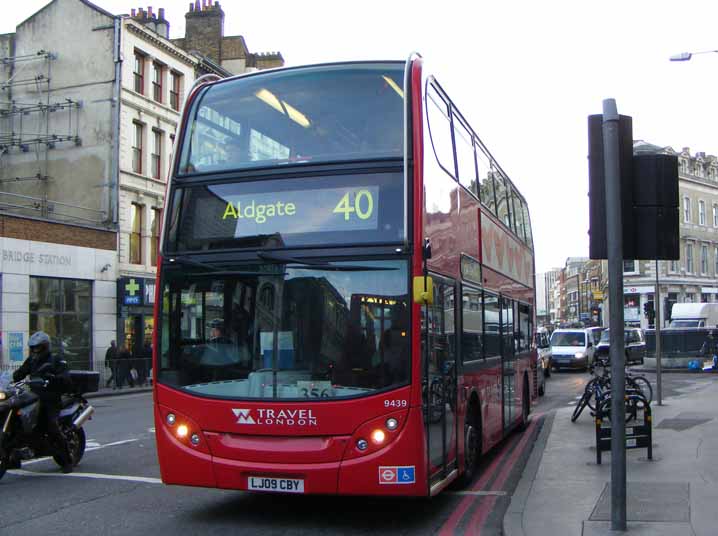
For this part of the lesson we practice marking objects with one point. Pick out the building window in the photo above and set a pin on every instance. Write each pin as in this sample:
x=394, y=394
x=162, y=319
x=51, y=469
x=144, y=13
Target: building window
x=158, y=73
x=701, y=212
x=136, y=233
x=674, y=266
x=139, y=72
x=62, y=308
x=716, y=261
x=686, y=210
x=157, y=141
x=704, y=259
x=689, y=258
x=629, y=267
x=137, y=147
x=155, y=229
x=175, y=90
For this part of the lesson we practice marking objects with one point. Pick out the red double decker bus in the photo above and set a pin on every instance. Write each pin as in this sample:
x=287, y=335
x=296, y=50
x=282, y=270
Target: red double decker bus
x=345, y=294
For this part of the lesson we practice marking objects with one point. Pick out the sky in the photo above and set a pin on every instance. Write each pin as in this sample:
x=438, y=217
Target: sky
x=526, y=75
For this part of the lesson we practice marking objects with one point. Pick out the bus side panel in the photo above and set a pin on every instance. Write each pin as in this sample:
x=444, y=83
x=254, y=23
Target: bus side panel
x=379, y=473
x=179, y=464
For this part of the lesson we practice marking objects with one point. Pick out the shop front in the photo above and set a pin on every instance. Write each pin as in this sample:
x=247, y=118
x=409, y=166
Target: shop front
x=65, y=291
x=136, y=300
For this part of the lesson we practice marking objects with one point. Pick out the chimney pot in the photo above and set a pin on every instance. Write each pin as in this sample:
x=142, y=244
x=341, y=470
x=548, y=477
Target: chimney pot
x=133, y=11
x=162, y=13
x=149, y=11
x=191, y=7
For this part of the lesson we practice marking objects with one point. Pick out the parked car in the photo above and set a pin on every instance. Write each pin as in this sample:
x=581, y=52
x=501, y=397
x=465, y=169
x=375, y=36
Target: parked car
x=634, y=342
x=571, y=348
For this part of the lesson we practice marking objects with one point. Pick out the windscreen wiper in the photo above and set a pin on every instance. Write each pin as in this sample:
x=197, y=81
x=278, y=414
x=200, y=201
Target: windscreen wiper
x=308, y=265
x=214, y=271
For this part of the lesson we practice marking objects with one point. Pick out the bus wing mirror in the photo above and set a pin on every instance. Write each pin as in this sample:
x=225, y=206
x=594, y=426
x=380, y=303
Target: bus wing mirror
x=423, y=290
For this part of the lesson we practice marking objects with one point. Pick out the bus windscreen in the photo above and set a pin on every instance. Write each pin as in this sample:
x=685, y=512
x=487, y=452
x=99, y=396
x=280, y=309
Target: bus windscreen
x=286, y=330
x=320, y=114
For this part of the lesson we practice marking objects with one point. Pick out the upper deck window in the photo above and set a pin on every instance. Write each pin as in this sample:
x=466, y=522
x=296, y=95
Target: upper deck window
x=314, y=114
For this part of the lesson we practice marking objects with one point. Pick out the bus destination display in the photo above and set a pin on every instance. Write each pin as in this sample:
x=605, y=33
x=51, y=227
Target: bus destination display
x=303, y=211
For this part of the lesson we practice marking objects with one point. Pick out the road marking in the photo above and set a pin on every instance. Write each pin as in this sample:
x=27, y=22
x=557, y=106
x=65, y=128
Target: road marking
x=481, y=493
x=87, y=449
x=98, y=476
x=124, y=441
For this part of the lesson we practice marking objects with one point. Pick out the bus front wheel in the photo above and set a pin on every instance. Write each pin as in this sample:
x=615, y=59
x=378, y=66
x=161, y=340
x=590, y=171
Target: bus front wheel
x=525, y=405
x=472, y=444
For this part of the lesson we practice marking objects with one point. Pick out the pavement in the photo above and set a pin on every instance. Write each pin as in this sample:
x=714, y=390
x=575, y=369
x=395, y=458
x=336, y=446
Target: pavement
x=563, y=491
x=109, y=391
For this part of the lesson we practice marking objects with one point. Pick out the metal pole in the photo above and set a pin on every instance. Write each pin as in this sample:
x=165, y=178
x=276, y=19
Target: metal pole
x=657, y=309
x=614, y=239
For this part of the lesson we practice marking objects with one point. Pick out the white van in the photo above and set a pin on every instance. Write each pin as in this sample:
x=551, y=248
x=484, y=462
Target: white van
x=694, y=315
x=571, y=348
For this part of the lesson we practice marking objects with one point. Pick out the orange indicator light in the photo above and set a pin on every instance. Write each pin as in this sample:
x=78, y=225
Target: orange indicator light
x=378, y=437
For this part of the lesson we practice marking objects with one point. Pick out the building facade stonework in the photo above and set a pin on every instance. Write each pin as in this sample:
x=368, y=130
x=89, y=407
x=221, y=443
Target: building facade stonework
x=693, y=277
x=87, y=129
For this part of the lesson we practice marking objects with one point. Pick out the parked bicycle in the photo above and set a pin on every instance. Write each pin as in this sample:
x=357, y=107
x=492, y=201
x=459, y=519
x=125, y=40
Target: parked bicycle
x=599, y=388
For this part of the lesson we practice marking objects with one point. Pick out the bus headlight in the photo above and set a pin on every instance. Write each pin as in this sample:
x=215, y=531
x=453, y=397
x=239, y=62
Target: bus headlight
x=183, y=430
x=579, y=355
x=376, y=434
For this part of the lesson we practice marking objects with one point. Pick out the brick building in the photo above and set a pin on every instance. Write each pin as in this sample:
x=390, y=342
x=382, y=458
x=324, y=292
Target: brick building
x=204, y=35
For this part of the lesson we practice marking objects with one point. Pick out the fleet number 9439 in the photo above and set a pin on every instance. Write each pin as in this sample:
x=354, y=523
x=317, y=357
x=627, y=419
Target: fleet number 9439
x=396, y=403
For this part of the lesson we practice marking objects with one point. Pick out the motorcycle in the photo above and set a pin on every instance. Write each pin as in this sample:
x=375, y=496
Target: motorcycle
x=23, y=437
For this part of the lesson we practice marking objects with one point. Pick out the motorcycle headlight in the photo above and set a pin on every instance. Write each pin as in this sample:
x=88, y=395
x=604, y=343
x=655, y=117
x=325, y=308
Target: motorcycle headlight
x=579, y=355
x=3, y=395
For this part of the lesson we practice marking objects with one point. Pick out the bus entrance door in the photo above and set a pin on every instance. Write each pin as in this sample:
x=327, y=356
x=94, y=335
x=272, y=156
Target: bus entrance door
x=439, y=380
x=508, y=362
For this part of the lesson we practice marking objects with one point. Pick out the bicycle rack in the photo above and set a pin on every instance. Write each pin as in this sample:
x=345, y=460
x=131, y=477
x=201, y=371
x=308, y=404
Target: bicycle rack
x=638, y=436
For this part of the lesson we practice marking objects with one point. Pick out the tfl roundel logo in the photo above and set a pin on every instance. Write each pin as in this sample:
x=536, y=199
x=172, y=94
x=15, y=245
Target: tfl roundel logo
x=397, y=474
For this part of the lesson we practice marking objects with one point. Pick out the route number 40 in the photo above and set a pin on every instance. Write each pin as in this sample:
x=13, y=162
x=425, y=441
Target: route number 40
x=363, y=205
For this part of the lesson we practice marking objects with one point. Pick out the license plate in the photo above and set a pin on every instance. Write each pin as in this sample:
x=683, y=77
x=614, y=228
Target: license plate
x=278, y=485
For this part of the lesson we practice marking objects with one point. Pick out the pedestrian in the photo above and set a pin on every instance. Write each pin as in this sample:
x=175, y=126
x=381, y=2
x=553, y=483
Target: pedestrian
x=123, y=367
x=710, y=349
x=145, y=362
x=111, y=363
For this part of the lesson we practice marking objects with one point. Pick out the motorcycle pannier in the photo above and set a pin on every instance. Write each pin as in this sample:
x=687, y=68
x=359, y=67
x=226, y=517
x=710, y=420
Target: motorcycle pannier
x=85, y=381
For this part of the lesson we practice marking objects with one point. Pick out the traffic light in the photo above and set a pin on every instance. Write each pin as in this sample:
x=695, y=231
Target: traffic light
x=649, y=312
x=649, y=197
x=598, y=248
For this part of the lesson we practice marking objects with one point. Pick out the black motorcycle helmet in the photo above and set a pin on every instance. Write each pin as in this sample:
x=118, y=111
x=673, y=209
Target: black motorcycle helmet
x=39, y=343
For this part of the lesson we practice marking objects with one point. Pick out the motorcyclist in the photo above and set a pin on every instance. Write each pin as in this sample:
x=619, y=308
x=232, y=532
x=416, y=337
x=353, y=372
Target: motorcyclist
x=42, y=364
